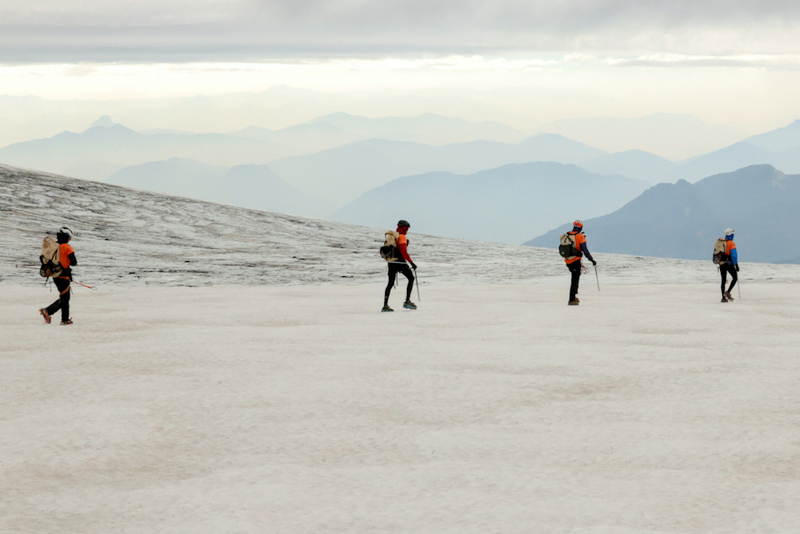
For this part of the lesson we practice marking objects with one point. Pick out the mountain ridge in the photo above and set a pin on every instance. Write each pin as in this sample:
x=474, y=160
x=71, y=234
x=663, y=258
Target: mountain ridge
x=501, y=204
x=683, y=220
x=353, y=169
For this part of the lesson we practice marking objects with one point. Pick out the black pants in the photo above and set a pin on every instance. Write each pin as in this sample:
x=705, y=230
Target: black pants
x=62, y=284
x=724, y=269
x=575, y=269
x=394, y=269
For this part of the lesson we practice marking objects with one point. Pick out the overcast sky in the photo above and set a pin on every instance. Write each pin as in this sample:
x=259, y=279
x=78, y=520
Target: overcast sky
x=235, y=30
x=739, y=59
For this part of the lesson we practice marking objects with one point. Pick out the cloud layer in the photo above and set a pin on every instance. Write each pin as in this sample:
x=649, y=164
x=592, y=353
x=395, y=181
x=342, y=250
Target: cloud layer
x=179, y=30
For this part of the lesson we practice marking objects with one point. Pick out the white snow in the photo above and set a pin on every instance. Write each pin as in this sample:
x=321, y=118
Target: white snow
x=272, y=396
x=648, y=409
x=129, y=237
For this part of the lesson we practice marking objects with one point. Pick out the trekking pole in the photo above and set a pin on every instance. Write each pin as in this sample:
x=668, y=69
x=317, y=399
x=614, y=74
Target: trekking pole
x=598, y=277
x=416, y=278
x=84, y=285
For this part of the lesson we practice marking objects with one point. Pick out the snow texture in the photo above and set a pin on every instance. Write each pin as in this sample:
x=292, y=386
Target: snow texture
x=648, y=409
x=129, y=237
x=276, y=398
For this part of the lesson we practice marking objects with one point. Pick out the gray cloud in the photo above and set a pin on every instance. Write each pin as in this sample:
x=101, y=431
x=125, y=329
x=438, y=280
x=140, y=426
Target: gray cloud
x=783, y=62
x=180, y=30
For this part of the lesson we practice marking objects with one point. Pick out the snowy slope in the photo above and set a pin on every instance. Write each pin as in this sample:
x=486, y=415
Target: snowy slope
x=298, y=407
x=129, y=237
x=126, y=236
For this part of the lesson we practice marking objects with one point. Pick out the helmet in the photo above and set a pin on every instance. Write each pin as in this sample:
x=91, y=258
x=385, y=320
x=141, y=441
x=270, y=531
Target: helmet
x=578, y=223
x=403, y=222
x=729, y=232
x=64, y=235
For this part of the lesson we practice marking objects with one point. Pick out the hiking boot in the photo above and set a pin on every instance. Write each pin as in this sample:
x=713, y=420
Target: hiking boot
x=410, y=305
x=724, y=299
x=46, y=315
x=68, y=321
x=573, y=302
x=728, y=296
x=386, y=309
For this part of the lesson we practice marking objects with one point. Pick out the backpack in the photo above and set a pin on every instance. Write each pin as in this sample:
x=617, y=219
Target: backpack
x=567, y=248
x=51, y=265
x=720, y=251
x=389, y=250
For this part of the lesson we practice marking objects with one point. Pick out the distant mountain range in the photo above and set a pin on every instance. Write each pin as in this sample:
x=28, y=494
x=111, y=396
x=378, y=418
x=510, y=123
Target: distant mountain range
x=348, y=154
x=428, y=129
x=107, y=143
x=635, y=164
x=779, y=148
x=343, y=173
x=672, y=135
x=315, y=184
x=118, y=145
x=247, y=186
x=683, y=220
x=502, y=205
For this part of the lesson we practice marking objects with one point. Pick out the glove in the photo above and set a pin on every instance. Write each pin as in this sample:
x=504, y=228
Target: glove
x=413, y=265
x=594, y=262
x=737, y=267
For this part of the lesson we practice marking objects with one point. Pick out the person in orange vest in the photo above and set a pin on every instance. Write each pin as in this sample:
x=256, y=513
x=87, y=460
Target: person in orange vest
x=574, y=262
x=730, y=264
x=401, y=266
x=66, y=256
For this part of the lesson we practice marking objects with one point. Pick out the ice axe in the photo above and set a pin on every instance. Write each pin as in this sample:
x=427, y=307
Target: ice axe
x=416, y=279
x=597, y=277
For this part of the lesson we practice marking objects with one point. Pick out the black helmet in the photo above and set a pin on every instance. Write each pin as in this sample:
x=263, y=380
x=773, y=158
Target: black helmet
x=64, y=234
x=403, y=222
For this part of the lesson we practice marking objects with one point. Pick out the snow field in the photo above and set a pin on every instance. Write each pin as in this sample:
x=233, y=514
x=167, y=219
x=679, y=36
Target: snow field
x=490, y=409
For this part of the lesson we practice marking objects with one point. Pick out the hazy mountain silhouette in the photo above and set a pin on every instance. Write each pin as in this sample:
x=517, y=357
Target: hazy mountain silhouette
x=107, y=142
x=119, y=145
x=428, y=128
x=339, y=174
x=104, y=121
x=257, y=187
x=672, y=135
x=302, y=138
x=728, y=159
x=338, y=129
x=683, y=220
x=175, y=176
x=778, y=140
x=632, y=164
x=343, y=173
x=779, y=148
x=248, y=186
x=92, y=170
x=501, y=204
